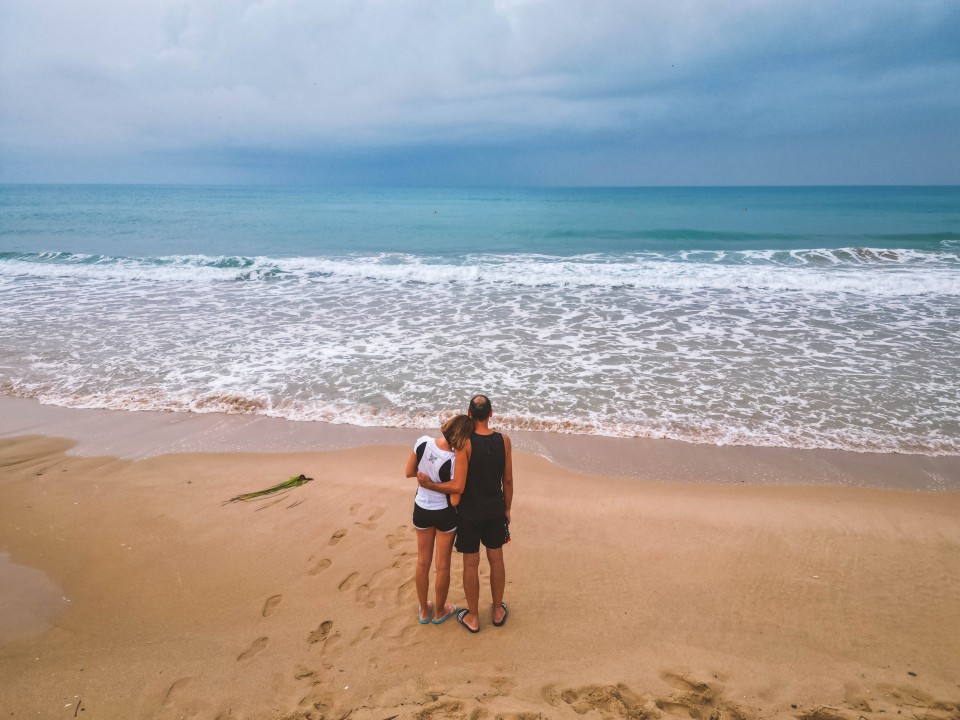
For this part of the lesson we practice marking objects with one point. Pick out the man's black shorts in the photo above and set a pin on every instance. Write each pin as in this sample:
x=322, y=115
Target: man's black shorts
x=444, y=520
x=470, y=533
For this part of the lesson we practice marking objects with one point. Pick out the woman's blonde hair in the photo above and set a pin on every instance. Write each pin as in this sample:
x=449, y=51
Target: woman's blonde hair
x=457, y=430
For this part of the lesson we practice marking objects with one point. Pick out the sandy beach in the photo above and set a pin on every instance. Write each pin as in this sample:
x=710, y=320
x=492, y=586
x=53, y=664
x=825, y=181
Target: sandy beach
x=628, y=597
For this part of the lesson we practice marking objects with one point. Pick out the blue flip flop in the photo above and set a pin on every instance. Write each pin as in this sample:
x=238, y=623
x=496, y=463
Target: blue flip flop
x=505, y=613
x=437, y=621
x=429, y=613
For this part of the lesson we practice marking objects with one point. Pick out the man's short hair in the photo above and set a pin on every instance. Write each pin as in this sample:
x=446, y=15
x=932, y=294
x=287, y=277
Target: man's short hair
x=480, y=407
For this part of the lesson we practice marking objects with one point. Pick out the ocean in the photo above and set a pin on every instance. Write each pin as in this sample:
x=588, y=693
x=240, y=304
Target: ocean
x=793, y=317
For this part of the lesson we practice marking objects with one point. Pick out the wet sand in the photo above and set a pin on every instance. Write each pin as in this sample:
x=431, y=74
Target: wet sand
x=136, y=435
x=629, y=597
x=29, y=601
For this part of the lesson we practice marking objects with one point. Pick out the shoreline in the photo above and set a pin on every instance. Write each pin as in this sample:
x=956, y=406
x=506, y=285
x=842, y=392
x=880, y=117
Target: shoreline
x=143, y=434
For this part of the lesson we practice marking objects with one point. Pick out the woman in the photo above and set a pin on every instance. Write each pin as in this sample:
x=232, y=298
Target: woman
x=434, y=516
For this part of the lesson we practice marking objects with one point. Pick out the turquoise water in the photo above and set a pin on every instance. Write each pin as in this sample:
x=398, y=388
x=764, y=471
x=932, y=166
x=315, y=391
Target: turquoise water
x=149, y=221
x=800, y=317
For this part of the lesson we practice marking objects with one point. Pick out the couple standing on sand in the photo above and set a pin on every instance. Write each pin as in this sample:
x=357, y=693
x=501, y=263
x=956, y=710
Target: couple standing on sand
x=466, y=490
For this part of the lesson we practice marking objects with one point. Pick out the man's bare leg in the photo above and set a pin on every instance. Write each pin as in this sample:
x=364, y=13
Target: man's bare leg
x=498, y=581
x=471, y=588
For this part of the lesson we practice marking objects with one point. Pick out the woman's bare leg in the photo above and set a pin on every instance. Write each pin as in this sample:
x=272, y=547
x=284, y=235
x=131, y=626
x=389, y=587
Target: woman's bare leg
x=422, y=577
x=444, y=552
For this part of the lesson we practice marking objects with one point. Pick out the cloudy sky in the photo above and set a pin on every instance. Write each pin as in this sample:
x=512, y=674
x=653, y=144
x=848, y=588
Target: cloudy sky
x=481, y=92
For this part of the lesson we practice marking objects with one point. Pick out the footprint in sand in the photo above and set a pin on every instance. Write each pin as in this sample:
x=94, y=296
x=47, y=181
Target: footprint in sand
x=177, y=689
x=608, y=700
x=320, y=567
x=366, y=632
x=407, y=632
x=376, y=587
x=405, y=591
x=303, y=673
x=503, y=685
x=363, y=596
x=685, y=684
x=371, y=523
x=401, y=535
x=696, y=699
x=321, y=633
x=337, y=536
x=446, y=708
x=348, y=581
x=550, y=694
x=355, y=508
x=403, y=558
x=256, y=647
x=270, y=606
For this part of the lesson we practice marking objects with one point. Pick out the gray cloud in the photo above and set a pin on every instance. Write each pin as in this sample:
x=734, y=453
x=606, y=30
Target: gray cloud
x=532, y=90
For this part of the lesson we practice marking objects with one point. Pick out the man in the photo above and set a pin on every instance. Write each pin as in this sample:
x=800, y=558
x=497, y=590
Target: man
x=483, y=473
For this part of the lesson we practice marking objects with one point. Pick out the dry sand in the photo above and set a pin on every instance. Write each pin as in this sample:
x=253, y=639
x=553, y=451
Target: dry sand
x=628, y=598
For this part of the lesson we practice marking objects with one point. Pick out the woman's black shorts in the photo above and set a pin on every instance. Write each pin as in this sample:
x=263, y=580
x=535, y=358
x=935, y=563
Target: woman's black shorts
x=444, y=520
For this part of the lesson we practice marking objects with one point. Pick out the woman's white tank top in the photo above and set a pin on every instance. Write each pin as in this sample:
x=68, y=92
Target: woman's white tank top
x=436, y=464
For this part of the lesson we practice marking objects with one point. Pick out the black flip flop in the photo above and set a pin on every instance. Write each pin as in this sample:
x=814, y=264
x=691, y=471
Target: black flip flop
x=461, y=615
x=505, y=613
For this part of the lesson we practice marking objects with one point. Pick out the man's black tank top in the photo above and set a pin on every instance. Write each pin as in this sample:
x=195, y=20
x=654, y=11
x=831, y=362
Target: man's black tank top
x=482, y=497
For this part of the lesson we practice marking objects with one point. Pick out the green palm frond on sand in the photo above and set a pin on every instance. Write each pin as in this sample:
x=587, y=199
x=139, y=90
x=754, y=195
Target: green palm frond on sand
x=287, y=485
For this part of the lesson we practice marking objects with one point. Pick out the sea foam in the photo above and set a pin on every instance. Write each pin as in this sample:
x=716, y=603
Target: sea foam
x=848, y=270
x=851, y=348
